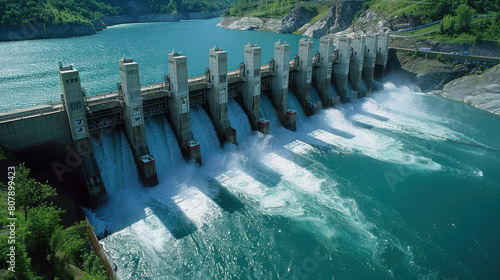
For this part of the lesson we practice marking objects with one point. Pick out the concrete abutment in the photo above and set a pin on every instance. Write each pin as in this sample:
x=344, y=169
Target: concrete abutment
x=133, y=115
x=74, y=105
x=178, y=105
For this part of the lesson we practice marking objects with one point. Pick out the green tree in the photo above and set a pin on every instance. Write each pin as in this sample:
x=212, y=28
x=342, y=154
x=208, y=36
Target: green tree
x=68, y=244
x=464, y=15
x=38, y=235
x=448, y=23
x=30, y=193
x=93, y=268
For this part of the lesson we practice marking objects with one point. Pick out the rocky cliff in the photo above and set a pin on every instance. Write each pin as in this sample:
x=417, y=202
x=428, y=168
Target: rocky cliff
x=338, y=17
x=295, y=19
x=481, y=91
x=427, y=73
x=250, y=23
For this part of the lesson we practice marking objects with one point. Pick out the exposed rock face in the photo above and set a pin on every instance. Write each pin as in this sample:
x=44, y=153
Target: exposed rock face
x=295, y=19
x=338, y=18
x=250, y=23
x=481, y=91
x=370, y=22
x=427, y=74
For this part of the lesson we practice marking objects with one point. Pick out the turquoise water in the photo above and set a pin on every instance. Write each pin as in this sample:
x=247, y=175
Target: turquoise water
x=401, y=185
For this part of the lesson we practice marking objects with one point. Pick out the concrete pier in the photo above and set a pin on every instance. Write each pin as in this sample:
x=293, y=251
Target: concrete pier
x=252, y=88
x=322, y=77
x=303, y=81
x=217, y=96
x=382, y=54
x=279, y=67
x=369, y=62
x=74, y=105
x=356, y=65
x=133, y=115
x=178, y=105
x=341, y=68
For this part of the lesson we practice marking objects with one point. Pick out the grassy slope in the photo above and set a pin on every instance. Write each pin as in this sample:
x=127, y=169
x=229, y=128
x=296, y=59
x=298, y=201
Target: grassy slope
x=420, y=9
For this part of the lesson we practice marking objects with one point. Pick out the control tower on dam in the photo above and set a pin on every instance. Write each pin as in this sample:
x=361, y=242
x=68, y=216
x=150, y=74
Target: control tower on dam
x=341, y=61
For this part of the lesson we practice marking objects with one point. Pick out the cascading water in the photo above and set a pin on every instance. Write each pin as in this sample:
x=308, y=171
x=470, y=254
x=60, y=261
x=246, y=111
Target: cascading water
x=363, y=84
x=162, y=143
x=315, y=95
x=239, y=121
x=349, y=85
x=333, y=90
x=204, y=131
x=268, y=112
x=294, y=103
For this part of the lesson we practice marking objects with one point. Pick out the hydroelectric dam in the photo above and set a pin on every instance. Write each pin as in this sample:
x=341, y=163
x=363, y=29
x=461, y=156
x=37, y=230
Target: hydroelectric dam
x=343, y=70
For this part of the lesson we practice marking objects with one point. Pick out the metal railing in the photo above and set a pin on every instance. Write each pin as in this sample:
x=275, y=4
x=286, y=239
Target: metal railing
x=32, y=113
x=101, y=98
x=196, y=80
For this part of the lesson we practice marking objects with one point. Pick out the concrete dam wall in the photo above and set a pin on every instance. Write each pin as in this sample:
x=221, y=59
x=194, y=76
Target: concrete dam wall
x=342, y=70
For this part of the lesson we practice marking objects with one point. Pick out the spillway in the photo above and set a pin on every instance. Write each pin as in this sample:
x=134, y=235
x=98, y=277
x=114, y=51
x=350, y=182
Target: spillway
x=204, y=131
x=162, y=143
x=294, y=103
x=267, y=109
x=315, y=95
x=115, y=161
x=239, y=121
x=333, y=90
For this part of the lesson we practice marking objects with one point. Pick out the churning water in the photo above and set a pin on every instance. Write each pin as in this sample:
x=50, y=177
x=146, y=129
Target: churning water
x=399, y=186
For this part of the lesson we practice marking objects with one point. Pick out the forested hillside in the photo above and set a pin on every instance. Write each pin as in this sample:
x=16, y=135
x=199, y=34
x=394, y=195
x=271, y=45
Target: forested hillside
x=56, y=12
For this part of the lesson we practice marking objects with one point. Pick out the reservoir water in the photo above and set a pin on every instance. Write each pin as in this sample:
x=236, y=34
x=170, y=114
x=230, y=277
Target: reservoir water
x=402, y=185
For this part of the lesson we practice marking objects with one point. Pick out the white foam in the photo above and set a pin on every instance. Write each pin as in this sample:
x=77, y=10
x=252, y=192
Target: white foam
x=292, y=172
x=299, y=147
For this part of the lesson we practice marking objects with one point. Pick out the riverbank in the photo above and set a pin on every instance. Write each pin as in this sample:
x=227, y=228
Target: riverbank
x=481, y=91
x=43, y=31
x=467, y=83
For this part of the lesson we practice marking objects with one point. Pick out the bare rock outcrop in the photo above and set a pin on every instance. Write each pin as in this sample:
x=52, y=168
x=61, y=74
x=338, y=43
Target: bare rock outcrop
x=295, y=19
x=481, y=91
x=339, y=17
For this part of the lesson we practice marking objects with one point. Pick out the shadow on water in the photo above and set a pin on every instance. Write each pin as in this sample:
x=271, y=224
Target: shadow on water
x=295, y=158
x=173, y=218
x=338, y=132
x=221, y=196
x=372, y=115
x=263, y=174
x=362, y=124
